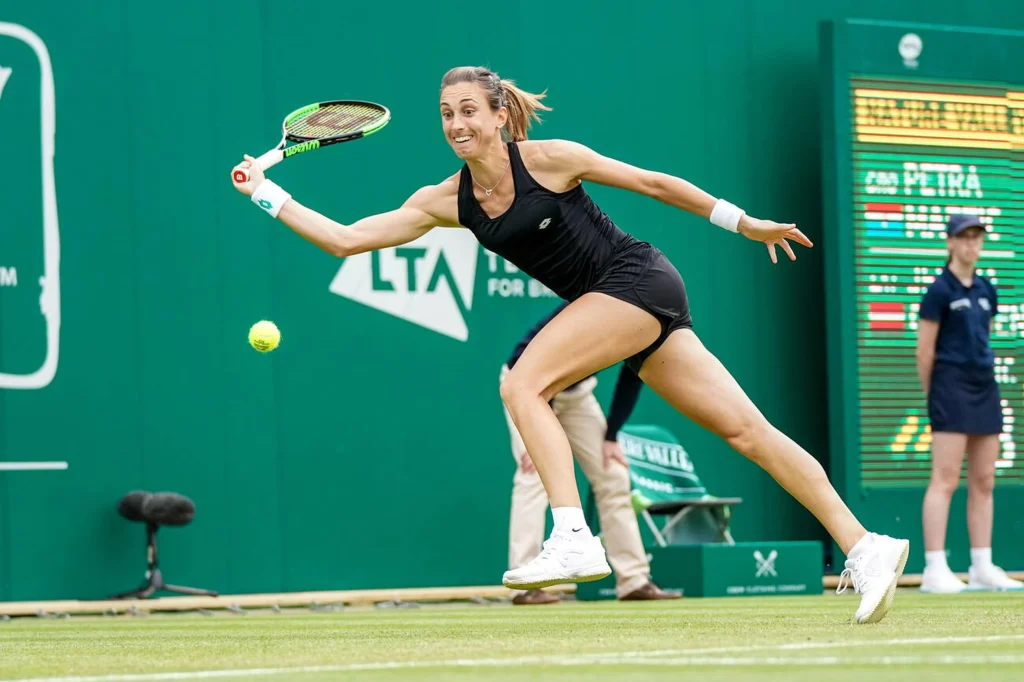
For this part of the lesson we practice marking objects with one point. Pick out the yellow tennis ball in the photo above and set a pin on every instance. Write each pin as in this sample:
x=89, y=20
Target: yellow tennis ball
x=264, y=336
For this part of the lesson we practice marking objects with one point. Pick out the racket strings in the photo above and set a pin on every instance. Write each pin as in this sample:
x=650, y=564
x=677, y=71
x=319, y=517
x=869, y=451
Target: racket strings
x=333, y=121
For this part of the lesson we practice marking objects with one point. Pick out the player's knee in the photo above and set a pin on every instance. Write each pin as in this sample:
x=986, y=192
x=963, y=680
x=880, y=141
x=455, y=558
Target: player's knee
x=746, y=434
x=509, y=390
x=515, y=389
x=519, y=387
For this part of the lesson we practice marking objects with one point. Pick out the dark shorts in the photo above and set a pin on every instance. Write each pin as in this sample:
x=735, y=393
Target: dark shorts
x=964, y=401
x=643, y=276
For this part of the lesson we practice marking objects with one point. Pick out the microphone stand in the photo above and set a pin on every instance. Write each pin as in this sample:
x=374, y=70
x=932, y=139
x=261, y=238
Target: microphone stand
x=154, y=577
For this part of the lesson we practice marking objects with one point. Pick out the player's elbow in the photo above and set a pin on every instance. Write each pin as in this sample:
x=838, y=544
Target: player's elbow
x=342, y=249
x=655, y=185
x=347, y=242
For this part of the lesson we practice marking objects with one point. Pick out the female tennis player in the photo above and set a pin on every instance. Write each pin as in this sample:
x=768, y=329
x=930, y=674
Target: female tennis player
x=525, y=201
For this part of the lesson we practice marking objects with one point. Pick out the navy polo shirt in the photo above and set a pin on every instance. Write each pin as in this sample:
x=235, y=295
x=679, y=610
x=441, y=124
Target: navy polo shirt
x=964, y=315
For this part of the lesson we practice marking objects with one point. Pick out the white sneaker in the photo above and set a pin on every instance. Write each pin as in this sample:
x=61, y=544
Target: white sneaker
x=940, y=580
x=874, y=574
x=566, y=558
x=991, y=577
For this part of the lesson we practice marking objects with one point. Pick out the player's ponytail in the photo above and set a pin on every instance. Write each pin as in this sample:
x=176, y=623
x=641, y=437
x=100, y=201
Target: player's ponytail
x=522, y=106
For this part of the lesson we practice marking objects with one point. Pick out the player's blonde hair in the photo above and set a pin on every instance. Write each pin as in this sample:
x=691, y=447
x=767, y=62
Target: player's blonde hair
x=502, y=92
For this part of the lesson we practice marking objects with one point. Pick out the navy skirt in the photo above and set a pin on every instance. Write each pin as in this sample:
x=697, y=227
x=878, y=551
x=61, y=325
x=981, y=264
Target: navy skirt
x=962, y=400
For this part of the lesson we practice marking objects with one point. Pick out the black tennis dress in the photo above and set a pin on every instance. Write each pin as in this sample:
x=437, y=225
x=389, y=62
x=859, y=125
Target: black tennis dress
x=564, y=241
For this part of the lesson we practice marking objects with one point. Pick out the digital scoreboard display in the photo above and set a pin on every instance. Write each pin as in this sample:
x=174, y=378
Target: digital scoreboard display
x=920, y=122
x=920, y=152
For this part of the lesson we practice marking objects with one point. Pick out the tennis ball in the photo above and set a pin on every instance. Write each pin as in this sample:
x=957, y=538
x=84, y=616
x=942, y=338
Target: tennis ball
x=264, y=336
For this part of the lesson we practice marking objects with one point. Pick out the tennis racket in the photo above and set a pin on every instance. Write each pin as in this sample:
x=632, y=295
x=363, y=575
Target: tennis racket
x=320, y=125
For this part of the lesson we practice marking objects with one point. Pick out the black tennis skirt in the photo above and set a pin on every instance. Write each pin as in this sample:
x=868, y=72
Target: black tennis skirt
x=642, y=275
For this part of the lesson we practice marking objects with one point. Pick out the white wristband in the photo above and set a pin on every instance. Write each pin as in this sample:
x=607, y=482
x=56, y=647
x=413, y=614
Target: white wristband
x=270, y=197
x=726, y=215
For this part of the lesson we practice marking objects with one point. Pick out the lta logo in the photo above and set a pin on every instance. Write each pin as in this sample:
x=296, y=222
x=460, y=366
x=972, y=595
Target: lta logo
x=428, y=282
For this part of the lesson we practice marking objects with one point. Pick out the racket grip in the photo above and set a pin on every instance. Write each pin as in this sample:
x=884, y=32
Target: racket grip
x=271, y=158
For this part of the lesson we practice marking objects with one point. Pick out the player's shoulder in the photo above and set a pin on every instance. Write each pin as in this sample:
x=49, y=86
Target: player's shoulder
x=547, y=152
x=439, y=200
x=449, y=187
x=446, y=189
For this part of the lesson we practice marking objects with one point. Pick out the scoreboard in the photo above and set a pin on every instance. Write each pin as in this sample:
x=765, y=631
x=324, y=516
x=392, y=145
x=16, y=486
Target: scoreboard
x=919, y=122
x=922, y=151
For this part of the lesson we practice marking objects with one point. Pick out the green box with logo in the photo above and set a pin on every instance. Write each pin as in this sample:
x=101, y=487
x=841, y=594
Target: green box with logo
x=723, y=570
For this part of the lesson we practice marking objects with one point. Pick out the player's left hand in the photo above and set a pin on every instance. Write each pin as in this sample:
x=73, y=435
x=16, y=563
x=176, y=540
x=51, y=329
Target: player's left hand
x=611, y=451
x=773, y=234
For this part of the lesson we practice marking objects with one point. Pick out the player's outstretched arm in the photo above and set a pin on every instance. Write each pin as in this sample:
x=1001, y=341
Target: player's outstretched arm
x=585, y=164
x=427, y=208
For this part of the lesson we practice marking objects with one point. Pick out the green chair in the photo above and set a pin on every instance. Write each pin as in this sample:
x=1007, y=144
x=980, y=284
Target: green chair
x=667, y=492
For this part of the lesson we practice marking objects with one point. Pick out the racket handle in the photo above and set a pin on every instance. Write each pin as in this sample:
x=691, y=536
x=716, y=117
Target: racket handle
x=264, y=162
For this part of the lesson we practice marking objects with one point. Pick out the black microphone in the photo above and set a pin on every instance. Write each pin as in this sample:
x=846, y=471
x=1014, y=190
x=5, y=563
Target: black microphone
x=155, y=510
x=130, y=506
x=168, y=509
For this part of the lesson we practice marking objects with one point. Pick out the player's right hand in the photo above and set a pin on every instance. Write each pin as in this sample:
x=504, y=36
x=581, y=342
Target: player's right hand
x=255, y=176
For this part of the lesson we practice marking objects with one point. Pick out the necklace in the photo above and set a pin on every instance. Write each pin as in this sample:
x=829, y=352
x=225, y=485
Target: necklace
x=488, y=191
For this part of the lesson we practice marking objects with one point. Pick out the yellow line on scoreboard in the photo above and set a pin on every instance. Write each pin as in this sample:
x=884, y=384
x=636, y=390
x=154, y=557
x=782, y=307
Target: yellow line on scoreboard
x=931, y=132
x=938, y=142
x=931, y=96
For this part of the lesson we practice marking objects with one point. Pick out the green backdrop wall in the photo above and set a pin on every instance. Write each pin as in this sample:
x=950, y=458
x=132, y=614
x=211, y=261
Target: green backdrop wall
x=368, y=451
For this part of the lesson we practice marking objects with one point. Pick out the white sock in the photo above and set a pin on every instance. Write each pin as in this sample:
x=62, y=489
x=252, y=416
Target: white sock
x=862, y=546
x=936, y=560
x=570, y=519
x=981, y=556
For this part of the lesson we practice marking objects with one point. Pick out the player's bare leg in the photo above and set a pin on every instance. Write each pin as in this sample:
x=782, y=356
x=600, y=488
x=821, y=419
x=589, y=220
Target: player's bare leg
x=691, y=378
x=592, y=333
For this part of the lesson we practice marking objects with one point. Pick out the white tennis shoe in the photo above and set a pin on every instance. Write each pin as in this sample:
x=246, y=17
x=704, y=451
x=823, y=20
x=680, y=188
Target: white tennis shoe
x=874, y=573
x=567, y=557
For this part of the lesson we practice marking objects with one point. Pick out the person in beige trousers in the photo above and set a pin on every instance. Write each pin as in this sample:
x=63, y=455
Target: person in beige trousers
x=594, y=443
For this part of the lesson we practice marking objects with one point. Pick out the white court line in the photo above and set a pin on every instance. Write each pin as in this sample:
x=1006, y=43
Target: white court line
x=33, y=466
x=822, y=661
x=805, y=646
x=670, y=657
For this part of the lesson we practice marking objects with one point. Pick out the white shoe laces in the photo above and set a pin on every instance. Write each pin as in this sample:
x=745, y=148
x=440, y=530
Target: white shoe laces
x=854, y=575
x=549, y=548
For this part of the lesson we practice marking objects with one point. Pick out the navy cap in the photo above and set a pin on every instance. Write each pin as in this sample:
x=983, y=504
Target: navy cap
x=960, y=222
